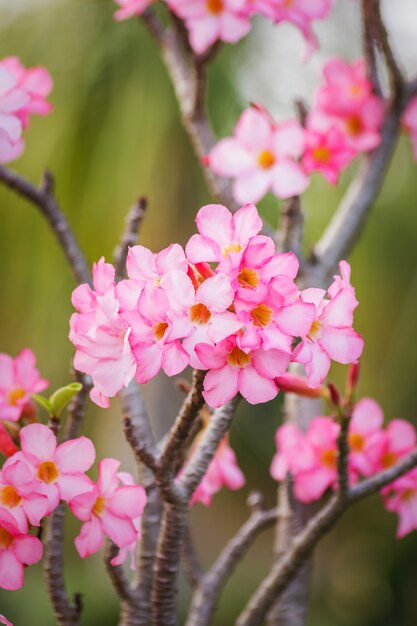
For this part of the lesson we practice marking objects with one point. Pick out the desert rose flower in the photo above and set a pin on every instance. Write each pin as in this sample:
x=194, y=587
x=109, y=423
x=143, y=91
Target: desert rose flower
x=130, y=8
x=401, y=498
x=19, y=379
x=58, y=469
x=261, y=156
x=4, y=620
x=327, y=151
x=364, y=434
x=17, y=549
x=108, y=509
x=392, y=444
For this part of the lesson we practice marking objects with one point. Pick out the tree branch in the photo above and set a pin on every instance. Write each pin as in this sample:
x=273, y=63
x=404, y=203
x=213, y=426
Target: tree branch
x=190, y=562
x=117, y=575
x=129, y=237
x=43, y=198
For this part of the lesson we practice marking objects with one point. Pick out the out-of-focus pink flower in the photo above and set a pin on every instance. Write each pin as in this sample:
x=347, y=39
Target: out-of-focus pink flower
x=261, y=156
x=331, y=336
x=7, y=445
x=19, y=379
x=311, y=457
x=17, y=549
x=4, y=620
x=209, y=21
x=223, y=471
x=231, y=370
x=58, y=470
x=130, y=8
x=401, y=498
x=364, y=433
x=108, y=509
x=223, y=237
x=327, y=151
x=409, y=121
x=392, y=444
x=101, y=336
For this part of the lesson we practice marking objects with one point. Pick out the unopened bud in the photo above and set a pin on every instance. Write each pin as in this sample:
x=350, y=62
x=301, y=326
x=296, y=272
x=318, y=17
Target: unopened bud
x=334, y=394
x=352, y=379
x=298, y=384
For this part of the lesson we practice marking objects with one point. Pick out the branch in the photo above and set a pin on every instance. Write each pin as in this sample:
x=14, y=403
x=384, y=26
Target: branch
x=208, y=591
x=382, y=42
x=291, y=231
x=190, y=562
x=43, y=197
x=129, y=237
x=368, y=44
x=117, y=575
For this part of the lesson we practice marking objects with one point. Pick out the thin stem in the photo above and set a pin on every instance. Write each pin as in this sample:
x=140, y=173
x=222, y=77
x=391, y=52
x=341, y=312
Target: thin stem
x=190, y=562
x=117, y=575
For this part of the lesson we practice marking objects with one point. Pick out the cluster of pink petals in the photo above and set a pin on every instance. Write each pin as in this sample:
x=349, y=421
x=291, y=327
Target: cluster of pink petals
x=23, y=92
x=311, y=457
x=19, y=379
x=409, y=121
x=208, y=21
x=228, y=304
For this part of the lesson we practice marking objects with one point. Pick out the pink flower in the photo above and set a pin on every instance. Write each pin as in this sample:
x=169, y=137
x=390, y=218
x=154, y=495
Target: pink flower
x=108, y=509
x=364, y=433
x=4, y=620
x=20, y=492
x=211, y=20
x=327, y=151
x=331, y=336
x=101, y=336
x=130, y=8
x=392, y=444
x=223, y=471
x=58, y=470
x=401, y=498
x=223, y=237
x=12, y=100
x=17, y=549
x=261, y=156
x=409, y=121
x=345, y=89
x=231, y=370
x=7, y=445
x=19, y=379
x=310, y=457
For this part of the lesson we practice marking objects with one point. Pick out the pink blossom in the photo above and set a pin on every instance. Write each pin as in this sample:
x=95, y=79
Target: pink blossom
x=223, y=471
x=12, y=100
x=345, y=89
x=409, y=121
x=392, y=444
x=19, y=379
x=223, y=237
x=310, y=457
x=130, y=8
x=231, y=370
x=364, y=433
x=58, y=470
x=17, y=549
x=7, y=445
x=331, y=336
x=209, y=21
x=4, y=620
x=327, y=151
x=101, y=336
x=261, y=156
x=401, y=498
x=108, y=509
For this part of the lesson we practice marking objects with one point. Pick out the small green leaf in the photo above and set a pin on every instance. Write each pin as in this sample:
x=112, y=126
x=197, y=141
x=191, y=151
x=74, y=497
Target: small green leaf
x=44, y=403
x=62, y=396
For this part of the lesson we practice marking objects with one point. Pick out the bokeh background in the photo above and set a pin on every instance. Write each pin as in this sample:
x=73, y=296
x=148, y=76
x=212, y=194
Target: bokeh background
x=115, y=134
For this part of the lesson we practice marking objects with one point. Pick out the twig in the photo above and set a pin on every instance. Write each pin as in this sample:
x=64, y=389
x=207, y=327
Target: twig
x=382, y=41
x=117, y=575
x=190, y=562
x=368, y=43
x=129, y=237
x=291, y=230
x=76, y=409
x=43, y=198
x=208, y=591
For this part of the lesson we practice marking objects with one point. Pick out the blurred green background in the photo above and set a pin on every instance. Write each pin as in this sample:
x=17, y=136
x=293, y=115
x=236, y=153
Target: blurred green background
x=115, y=134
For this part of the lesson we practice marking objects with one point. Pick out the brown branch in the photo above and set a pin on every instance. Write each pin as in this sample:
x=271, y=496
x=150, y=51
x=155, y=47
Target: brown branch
x=368, y=43
x=117, y=575
x=382, y=42
x=291, y=231
x=76, y=409
x=129, y=237
x=210, y=586
x=190, y=562
x=43, y=198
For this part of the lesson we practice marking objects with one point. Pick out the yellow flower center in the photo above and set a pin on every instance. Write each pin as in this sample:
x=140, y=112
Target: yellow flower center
x=328, y=458
x=354, y=125
x=388, y=460
x=266, y=159
x=408, y=495
x=314, y=331
x=199, y=314
x=356, y=442
x=48, y=472
x=248, y=278
x=9, y=497
x=215, y=6
x=6, y=539
x=355, y=90
x=232, y=247
x=238, y=358
x=99, y=506
x=261, y=315
x=322, y=154
x=159, y=330
x=14, y=395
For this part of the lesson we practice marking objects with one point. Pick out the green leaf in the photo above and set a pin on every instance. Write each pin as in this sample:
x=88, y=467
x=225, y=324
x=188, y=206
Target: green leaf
x=61, y=397
x=44, y=403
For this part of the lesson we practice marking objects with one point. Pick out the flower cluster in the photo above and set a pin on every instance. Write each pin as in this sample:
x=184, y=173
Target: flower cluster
x=228, y=304
x=208, y=21
x=263, y=155
x=311, y=457
x=36, y=478
x=23, y=92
